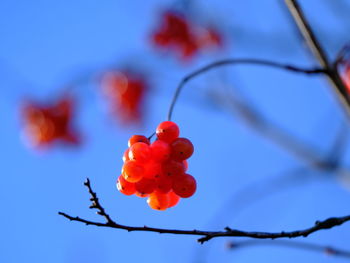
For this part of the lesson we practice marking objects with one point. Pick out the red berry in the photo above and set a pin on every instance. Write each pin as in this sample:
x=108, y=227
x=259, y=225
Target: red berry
x=145, y=186
x=124, y=186
x=158, y=201
x=132, y=171
x=160, y=150
x=140, y=152
x=153, y=170
x=181, y=149
x=167, y=131
x=185, y=186
x=138, y=138
x=164, y=184
x=173, y=199
x=126, y=155
x=173, y=168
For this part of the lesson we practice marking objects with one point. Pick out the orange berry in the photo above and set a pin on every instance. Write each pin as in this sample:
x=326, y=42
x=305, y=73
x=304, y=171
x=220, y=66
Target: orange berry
x=173, y=199
x=140, y=152
x=132, y=171
x=124, y=186
x=158, y=201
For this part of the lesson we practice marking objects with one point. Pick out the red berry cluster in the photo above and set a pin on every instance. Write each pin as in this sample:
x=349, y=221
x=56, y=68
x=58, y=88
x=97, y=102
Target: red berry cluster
x=158, y=170
x=44, y=125
x=180, y=34
x=125, y=92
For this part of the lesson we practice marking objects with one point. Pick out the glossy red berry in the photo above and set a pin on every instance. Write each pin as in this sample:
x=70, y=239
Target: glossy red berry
x=145, y=186
x=138, y=138
x=181, y=149
x=164, y=184
x=158, y=201
x=173, y=199
x=140, y=152
x=160, y=150
x=124, y=186
x=185, y=186
x=167, y=131
x=173, y=168
x=153, y=170
x=132, y=171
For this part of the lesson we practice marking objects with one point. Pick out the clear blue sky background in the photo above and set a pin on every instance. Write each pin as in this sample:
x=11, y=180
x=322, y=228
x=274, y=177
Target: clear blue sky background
x=46, y=45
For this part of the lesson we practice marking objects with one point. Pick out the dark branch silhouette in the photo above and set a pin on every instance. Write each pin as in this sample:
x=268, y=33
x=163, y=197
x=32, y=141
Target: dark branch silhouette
x=205, y=235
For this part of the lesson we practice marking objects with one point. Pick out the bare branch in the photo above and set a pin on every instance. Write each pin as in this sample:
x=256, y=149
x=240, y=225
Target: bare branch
x=205, y=235
x=248, y=61
x=320, y=54
x=95, y=202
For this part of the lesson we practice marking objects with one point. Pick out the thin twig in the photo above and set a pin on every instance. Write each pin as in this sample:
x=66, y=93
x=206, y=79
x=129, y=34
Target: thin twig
x=260, y=62
x=95, y=202
x=329, y=250
x=319, y=53
x=205, y=235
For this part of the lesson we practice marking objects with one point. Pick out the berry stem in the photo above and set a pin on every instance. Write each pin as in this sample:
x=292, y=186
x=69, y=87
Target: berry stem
x=247, y=61
x=151, y=136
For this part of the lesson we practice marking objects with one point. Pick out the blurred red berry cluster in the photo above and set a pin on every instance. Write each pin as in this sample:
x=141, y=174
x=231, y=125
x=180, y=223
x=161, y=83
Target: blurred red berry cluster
x=44, y=125
x=125, y=91
x=158, y=170
x=180, y=34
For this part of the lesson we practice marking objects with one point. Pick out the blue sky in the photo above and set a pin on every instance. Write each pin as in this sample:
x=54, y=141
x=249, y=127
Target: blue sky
x=46, y=45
